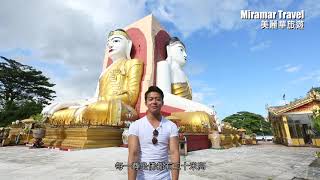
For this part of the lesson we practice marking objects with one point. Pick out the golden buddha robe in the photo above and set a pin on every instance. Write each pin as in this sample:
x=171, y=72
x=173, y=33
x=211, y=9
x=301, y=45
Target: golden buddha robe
x=196, y=122
x=119, y=89
x=63, y=116
x=182, y=90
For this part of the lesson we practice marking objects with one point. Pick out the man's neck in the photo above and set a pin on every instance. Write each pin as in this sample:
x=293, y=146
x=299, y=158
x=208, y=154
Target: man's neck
x=154, y=117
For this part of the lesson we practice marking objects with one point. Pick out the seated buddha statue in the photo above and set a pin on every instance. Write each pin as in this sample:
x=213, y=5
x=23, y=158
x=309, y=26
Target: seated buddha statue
x=172, y=79
x=116, y=95
x=170, y=74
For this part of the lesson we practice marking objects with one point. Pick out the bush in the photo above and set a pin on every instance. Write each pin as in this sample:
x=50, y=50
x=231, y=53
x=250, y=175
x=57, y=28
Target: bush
x=316, y=122
x=39, y=119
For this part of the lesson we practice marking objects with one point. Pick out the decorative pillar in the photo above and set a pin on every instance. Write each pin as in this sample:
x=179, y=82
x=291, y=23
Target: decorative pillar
x=214, y=137
x=286, y=129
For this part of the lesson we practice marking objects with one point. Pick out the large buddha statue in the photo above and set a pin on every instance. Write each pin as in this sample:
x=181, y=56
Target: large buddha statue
x=178, y=94
x=116, y=95
x=175, y=81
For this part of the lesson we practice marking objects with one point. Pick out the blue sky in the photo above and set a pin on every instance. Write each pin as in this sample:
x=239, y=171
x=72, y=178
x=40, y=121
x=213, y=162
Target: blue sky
x=246, y=79
x=232, y=63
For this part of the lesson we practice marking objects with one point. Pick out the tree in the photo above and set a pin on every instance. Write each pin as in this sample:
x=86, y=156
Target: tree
x=316, y=122
x=23, y=91
x=253, y=123
x=317, y=89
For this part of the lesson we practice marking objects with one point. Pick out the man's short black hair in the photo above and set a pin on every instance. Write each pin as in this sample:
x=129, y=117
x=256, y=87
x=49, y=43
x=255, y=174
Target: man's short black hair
x=153, y=89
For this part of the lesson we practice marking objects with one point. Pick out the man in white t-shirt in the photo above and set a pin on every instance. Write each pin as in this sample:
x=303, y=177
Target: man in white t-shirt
x=150, y=140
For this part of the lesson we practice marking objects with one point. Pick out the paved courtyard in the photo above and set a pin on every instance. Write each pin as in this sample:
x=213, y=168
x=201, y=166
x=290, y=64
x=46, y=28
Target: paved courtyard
x=263, y=161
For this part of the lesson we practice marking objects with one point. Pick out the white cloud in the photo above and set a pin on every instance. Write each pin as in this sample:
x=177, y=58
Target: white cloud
x=310, y=76
x=207, y=98
x=202, y=92
x=69, y=33
x=259, y=5
x=206, y=94
x=311, y=8
x=189, y=16
x=194, y=69
x=253, y=27
x=260, y=46
x=288, y=68
x=293, y=69
x=282, y=67
x=198, y=96
x=72, y=33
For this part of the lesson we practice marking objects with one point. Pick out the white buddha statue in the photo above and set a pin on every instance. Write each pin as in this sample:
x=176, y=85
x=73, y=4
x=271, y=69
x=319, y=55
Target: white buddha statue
x=172, y=79
x=116, y=95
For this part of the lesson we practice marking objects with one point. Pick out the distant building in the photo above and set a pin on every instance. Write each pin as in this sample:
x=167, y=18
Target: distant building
x=291, y=123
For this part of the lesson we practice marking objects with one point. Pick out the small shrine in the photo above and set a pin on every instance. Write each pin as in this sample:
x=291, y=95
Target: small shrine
x=292, y=122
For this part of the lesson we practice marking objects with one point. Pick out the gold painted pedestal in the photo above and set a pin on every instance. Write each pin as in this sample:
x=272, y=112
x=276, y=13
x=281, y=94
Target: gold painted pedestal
x=316, y=142
x=226, y=141
x=83, y=137
x=236, y=140
x=23, y=139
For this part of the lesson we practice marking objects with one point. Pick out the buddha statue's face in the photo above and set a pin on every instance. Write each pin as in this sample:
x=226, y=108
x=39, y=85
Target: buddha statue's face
x=177, y=52
x=117, y=47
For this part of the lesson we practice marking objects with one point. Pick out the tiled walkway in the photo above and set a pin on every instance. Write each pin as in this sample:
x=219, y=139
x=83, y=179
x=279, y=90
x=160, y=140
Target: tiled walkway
x=263, y=161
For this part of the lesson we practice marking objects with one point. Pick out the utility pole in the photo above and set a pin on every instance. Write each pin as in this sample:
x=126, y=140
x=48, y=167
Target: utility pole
x=262, y=131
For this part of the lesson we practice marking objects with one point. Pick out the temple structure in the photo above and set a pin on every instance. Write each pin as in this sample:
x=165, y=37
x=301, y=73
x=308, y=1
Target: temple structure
x=135, y=61
x=292, y=123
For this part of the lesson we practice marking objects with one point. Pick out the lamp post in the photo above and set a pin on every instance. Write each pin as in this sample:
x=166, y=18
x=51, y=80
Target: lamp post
x=262, y=131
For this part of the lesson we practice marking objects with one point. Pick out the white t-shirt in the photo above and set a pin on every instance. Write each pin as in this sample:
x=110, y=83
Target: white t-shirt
x=150, y=152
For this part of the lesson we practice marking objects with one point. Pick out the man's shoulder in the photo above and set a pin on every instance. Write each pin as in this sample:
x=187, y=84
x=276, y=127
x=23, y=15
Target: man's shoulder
x=167, y=122
x=139, y=121
x=136, y=125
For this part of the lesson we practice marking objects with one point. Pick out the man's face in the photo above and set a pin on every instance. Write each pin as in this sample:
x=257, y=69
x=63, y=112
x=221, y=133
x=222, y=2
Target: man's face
x=154, y=102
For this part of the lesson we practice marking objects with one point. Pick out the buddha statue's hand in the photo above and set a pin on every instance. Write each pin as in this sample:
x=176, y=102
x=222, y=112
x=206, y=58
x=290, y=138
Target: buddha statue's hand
x=49, y=110
x=122, y=92
x=46, y=109
x=46, y=112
